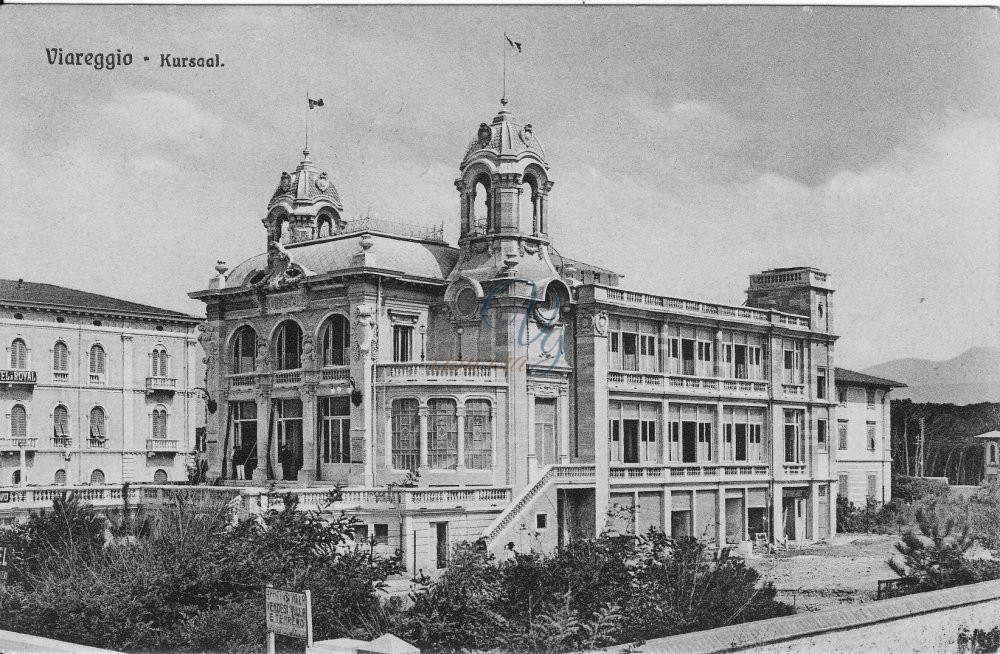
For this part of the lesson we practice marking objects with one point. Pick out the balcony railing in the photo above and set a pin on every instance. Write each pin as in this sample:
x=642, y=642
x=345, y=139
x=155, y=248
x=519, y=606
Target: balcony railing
x=97, y=379
x=288, y=377
x=62, y=441
x=442, y=372
x=664, y=472
x=335, y=373
x=794, y=390
x=704, y=308
x=8, y=444
x=154, y=384
x=97, y=443
x=794, y=469
x=60, y=377
x=161, y=445
x=636, y=379
x=242, y=380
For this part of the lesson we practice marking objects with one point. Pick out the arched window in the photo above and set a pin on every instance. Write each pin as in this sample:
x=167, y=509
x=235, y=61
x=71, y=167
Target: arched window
x=405, y=434
x=478, y=435
x=993, y=453
x=18, y=422
x=160, y=476
x=159, y=423
x=18, y=355
x=159, y=362
x=336, y=341
x=97, y=476
x=98, y=362
x=60, y=426
x=442, y=433
x=15, y=478
x=244, y=350
x=60, y=477
x=60, y=360
x=482, y=208
x=288, y=347
x=528, y=205
x=98, y=427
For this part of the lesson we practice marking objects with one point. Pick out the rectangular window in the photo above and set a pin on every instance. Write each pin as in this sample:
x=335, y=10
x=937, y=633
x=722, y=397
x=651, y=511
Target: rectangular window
x=870, y=395
x=360, y=533
x=614, y=432
x=442, y=434
x=545, y=431
x=335, y=423
x=704, y=441
x=821, y=435
x=794, y=445
x=690, y=429
x=541, y=521
x=405, y=434
x=741, y=429
x=616, y=350
x=792, y=362
x=841, y=434
x=632, y=345
x=871, y=436
x=873, y=486
x=478, y=435
x=821, y=383
x=381, y=534
x=402, y=343
x=842, y=395
x=630, y=360
x=842, y=485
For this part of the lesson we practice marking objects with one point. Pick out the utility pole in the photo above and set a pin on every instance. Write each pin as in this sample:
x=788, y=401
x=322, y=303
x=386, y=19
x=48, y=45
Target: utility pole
x=920, y=450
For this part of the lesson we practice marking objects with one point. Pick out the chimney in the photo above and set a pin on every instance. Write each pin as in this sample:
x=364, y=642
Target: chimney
x=20, y=283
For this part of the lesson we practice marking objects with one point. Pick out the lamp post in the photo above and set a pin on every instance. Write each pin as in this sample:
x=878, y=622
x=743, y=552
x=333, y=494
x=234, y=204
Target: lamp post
x=460, y=331
x=423, y=330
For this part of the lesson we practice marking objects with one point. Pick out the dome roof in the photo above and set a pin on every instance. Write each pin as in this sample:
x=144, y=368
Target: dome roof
x=414, y=258
x=504, y=137
x=306, y=186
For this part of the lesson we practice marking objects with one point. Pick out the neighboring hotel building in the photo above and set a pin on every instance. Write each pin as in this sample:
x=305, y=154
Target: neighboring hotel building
x=863, y=436
x=329, y=355
x=93, y=389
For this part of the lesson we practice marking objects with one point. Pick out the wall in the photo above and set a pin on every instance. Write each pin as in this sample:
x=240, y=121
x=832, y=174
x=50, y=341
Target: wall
x=857, y=461
x=926, y=622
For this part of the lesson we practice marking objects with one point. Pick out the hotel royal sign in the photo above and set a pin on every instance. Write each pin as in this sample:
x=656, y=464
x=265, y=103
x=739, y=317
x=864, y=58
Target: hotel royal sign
x=17, y=377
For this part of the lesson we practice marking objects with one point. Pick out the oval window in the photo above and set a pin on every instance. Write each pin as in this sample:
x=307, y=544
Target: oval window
x=467, y=302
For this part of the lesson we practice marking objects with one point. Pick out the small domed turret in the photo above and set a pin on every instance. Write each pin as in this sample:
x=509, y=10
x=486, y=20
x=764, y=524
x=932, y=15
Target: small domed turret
x=305, y=205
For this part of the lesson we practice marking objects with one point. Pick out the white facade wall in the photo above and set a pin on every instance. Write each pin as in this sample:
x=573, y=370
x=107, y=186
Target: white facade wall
x=858, y=461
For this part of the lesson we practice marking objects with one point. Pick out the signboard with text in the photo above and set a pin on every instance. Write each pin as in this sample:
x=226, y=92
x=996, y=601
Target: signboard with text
x=4, y=564
x=288, y=613
x=17, y=377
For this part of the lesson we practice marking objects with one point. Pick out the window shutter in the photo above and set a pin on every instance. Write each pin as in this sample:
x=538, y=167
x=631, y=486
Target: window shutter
x=60, y=478
x=18, y=422
x=163, y=363
x=97, y=426
x=60, y=422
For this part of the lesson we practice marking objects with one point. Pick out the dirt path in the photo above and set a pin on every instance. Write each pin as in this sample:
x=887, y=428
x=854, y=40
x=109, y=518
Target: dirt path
x=843, y=570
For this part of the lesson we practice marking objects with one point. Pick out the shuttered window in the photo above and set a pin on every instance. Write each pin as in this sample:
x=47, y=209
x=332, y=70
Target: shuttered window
x=60, y=422
x=18, y=355
x=159, y=367
x=60, y=357
x=97, y=477
x=98, y=428
x=159, y=423
x=160, y=477
x=60, y=478
x=98, y=364
x=18, y=422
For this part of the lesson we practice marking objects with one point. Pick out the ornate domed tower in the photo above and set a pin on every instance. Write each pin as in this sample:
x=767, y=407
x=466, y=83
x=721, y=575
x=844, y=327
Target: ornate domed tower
x=503, y=186
x=305, y=206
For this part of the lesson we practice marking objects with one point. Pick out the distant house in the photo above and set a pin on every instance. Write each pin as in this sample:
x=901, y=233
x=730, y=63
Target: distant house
x=863, y=436
x=991, y=455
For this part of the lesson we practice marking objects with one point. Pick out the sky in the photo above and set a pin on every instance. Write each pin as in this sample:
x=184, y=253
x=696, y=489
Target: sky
x=690, y=146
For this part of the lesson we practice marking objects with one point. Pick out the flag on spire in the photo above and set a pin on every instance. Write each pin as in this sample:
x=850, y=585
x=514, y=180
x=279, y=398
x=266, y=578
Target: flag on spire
x=314, y=103
x=514, y=44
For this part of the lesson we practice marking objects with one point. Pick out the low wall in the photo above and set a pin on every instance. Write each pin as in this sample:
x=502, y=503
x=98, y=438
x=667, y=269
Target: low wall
x=12, y=642
x=925, y=622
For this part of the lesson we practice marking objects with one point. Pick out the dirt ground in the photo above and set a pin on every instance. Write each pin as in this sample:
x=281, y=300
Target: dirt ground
x=841, y=571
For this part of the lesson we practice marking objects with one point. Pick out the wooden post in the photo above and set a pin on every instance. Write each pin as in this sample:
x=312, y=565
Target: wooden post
x=270, y=634
x=309, y=620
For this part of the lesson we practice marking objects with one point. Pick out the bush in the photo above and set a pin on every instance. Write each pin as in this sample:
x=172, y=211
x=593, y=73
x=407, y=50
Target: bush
x=914, y=489
x=192, y=582
x=589, y=594
x=875, y=517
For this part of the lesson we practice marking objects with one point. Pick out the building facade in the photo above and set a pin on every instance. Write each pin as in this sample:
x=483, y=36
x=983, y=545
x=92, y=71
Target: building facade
x=864, y=436
x=502, y=391
x=93, y=389
x=991, y=455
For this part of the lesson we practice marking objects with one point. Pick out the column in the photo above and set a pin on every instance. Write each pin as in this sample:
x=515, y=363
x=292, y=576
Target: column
x=128, y=410
x=720, y=517
x=308, y=472
x=422, y=413
x=263, y=456
x=814, y=510
x=717, y=454
x=563, y=425
x=667, y=508
x=190, y=400
x=461, y=439
x=532, y=456
x=24, y=465
x=777, y=527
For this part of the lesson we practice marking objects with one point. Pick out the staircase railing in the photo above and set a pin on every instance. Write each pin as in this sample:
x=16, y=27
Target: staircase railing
x=550, y=474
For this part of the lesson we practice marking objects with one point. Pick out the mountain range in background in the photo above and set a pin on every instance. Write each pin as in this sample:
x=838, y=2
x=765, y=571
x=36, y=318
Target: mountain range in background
x=972, y=376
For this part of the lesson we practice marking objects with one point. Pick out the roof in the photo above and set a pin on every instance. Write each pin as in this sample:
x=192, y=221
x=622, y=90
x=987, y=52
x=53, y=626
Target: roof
x=306, y=185
x=505, y=137
x=410, y=257
x=851, y=377
x=989, y=434
x=18, y=292
x=580, y=265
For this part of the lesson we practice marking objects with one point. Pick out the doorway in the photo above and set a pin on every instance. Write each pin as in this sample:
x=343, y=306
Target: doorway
x=289, y=432
x=734, y=520
x=545, y=431
x=441, y=545
x=630, y=446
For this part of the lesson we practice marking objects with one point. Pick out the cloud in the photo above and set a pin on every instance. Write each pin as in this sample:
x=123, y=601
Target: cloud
x=157, y=118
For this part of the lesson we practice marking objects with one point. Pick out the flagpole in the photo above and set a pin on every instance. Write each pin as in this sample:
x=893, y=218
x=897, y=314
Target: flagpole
x=503, y=99
x=307, y=119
